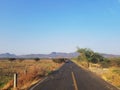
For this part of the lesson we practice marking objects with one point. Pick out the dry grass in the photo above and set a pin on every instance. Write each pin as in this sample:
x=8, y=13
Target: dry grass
x=113, y=76
x=29, y=72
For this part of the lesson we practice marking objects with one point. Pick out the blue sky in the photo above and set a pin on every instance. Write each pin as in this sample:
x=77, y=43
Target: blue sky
x=44, y=26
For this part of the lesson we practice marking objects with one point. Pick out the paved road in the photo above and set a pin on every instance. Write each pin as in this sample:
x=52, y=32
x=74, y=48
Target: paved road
x=72, y=77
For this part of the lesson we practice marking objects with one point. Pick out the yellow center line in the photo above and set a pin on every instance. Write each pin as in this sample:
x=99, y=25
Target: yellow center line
x=74, y=81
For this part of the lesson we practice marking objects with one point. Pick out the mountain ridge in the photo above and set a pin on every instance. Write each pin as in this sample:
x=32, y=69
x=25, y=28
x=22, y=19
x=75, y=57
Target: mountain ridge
x=51, y=55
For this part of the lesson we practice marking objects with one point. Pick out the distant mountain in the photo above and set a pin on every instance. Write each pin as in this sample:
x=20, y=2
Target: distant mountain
x=51, y=55
x=110, y=55
x=7, y=55
x=66, y=55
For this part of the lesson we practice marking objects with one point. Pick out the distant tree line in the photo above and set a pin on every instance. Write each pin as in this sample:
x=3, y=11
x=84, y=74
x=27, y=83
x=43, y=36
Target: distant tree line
x=20, y=59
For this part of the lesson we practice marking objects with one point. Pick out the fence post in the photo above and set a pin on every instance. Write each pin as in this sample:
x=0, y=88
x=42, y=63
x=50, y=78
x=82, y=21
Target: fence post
x=15, y=81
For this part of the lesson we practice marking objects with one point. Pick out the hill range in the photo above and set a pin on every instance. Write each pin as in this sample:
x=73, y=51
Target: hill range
x=51, y=55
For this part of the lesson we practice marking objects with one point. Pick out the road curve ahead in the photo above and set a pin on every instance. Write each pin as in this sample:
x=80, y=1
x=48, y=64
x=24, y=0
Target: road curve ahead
x=73, y=77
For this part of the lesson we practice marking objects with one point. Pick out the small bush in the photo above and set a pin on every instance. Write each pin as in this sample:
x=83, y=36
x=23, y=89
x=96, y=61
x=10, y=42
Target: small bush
x=37, y=59
x=105, y=63
x=21, y=59
x=12, y=59
x=59, y=60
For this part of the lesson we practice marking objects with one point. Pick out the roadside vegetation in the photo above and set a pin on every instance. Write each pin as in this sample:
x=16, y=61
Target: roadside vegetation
x=106, y=68
x=59, y=60
x=29, y=71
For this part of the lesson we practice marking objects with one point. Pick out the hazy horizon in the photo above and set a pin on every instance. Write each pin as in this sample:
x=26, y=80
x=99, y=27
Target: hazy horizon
x=44, y=26
x=52, y=52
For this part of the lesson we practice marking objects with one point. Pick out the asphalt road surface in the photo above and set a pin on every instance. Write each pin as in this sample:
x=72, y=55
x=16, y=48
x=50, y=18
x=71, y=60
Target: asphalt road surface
x=73, y=77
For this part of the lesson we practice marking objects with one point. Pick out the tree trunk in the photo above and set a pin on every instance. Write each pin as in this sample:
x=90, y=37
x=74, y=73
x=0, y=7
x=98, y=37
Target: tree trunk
x=88, y=63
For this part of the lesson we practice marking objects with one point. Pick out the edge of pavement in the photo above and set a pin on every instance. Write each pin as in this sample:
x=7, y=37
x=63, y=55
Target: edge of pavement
x=43, y=79
x=94, y=74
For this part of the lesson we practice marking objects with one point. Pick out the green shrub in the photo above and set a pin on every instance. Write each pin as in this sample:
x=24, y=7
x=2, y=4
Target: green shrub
x=105, y=63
